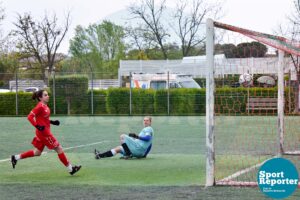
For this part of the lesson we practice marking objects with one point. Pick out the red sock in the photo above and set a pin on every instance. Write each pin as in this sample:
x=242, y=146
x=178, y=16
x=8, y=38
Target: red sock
x=27, y=154
x=62, y=157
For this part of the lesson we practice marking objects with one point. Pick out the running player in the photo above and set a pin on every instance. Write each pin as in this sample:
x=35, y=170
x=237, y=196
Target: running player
x=39, y=118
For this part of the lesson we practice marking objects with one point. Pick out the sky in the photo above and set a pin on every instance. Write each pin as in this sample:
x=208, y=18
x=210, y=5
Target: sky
x=259, y=15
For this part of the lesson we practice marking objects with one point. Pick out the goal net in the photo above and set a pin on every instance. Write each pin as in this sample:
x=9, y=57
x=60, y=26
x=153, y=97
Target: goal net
x=252, y=99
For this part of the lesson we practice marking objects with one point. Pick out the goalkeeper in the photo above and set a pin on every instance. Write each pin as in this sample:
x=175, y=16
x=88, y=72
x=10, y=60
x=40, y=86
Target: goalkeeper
x=132, y=145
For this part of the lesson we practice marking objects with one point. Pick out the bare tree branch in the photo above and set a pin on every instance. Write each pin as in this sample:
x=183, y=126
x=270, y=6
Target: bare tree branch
x=189, y=19
x=151, y=15
x=140, y=38
x=41, y=39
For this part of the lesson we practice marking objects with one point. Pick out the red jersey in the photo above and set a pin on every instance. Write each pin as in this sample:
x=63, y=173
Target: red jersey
x=40, y=116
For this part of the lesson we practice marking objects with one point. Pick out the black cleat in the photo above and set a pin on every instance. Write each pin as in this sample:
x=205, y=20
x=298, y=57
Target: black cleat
x=75, y=169
x=13, y=161
x=97, y=154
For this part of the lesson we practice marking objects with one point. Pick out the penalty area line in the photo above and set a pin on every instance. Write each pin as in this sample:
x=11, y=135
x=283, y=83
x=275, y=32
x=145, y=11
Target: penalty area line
x=65, y=149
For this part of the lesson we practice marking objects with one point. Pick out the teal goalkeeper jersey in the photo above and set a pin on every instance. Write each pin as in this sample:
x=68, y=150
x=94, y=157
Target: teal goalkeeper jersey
x=146, y=131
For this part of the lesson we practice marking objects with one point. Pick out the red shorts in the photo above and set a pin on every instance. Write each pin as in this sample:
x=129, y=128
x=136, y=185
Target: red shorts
x=48, y=140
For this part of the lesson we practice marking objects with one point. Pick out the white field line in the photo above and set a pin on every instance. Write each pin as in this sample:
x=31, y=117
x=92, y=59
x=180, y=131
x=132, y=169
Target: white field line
x=75, y=147
x=241, y=172
x=292, y=153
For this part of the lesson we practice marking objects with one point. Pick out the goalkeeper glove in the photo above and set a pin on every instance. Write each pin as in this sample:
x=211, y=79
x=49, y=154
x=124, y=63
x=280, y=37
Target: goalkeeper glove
x=40, y=128
x=55, y=122
x=133, y=135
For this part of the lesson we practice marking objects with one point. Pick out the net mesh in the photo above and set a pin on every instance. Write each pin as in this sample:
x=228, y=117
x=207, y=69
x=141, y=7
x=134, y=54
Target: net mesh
x=246, y=98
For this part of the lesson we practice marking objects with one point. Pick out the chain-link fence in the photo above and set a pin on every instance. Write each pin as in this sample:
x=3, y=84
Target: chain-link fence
x=139, y=94
x=90, y=94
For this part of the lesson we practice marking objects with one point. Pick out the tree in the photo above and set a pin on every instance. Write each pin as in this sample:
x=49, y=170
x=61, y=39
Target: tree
x=173, y=51
x=151, y=17
x=2, y=16
x=100, y=46
x=8, y=55
x=229, y=50
x=189, y=23
x=258, y=49
x=252, y=49
x=244, y=50
x=136, y=54
x=139, y=40
x=41, y=39
x=83, y=56
x=105, y=39
x=2, y=66
x=8, y=58
x=78, y=44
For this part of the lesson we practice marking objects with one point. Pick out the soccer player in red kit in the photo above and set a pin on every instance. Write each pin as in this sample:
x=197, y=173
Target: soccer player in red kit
x=39, y=118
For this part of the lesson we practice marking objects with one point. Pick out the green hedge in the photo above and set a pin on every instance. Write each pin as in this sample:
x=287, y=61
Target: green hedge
x=187, y=101
x=182, y=101
x=143, y=101
x=71, y=90
x=26, y=103
x=8, y=103
x=161, y=102
x=231, y=101
x=117, y=101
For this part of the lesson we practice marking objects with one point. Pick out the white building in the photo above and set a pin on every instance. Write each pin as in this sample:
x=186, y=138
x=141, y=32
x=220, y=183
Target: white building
x=196, y=66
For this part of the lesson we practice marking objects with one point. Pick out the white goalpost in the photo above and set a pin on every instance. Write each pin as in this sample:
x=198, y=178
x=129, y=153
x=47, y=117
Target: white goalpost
x=247, y=125
x=210, y=137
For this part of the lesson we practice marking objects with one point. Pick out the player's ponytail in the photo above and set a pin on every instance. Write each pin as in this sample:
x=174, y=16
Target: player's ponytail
x=37, y=95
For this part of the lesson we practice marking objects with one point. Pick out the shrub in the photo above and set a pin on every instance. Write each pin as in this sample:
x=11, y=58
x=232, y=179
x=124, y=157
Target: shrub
x=71, y=94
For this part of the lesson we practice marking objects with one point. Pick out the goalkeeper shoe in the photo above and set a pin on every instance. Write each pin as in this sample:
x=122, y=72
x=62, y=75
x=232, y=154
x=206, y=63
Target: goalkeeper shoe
x=75, y=169
x=97, y=154
x=13, y=161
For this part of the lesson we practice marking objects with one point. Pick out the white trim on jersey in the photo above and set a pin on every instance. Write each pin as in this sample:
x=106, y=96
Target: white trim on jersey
x=32, y=113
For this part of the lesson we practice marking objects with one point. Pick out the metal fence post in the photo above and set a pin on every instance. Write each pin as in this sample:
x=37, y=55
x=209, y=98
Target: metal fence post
x=168, y=97
x=17, y=99
x=92, y=94
x=130, y=94
x=54, y=96
x=290, y=99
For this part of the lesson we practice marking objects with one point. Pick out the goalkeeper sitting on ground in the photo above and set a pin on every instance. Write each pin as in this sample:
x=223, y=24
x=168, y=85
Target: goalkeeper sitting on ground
x=132, y=145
